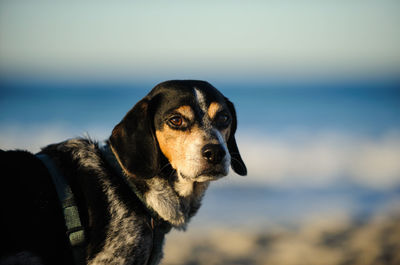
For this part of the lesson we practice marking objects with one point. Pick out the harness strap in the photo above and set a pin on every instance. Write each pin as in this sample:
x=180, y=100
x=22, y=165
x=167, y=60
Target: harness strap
x=75, y=230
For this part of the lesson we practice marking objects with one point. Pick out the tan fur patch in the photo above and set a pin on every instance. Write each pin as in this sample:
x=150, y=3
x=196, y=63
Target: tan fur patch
x=186, y=111
x=213, y=109
x=173, y=143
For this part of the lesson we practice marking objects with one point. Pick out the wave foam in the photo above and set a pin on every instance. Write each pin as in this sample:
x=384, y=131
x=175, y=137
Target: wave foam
x=319, y=159
x=288, y=160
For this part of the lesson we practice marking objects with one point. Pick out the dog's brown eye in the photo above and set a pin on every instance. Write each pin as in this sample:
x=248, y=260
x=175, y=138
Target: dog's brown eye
x=176, y=121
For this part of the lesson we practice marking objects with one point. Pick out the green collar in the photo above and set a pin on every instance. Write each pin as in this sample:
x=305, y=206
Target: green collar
x=75, y=230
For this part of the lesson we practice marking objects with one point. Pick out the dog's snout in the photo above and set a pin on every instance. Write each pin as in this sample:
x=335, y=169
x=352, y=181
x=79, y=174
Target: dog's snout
x=213, y=153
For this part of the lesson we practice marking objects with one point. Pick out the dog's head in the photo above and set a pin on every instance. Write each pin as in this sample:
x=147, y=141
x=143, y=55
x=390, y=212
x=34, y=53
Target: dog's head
x=188, y=124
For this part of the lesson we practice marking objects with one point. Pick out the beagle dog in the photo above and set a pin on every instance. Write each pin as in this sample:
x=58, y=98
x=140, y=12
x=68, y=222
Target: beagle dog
x=148, y=177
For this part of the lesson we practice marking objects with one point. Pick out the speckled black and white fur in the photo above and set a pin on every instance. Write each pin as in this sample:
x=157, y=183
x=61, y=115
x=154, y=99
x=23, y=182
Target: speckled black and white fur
x=131, y=191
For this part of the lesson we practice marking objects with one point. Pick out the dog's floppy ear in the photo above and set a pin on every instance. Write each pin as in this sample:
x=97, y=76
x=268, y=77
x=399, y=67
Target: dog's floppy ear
x=134, y=143
x=237, y=163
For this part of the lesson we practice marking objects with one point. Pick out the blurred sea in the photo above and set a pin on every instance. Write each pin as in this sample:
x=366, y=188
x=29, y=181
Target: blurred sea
x=277, y=119
x=369, y=107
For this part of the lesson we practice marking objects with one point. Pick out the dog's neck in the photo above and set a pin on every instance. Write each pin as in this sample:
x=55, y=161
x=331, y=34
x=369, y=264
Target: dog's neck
x=175, y=201
x=163, y=198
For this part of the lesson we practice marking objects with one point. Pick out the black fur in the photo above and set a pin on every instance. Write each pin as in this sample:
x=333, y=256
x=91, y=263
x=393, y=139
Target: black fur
x=31, y=216
x=133, y=140
x=237, y=163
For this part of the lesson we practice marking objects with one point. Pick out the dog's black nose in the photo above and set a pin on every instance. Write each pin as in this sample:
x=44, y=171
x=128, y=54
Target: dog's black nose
x=213, y=153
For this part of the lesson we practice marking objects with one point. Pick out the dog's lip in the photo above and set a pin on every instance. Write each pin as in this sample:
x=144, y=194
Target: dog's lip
x=210, y=174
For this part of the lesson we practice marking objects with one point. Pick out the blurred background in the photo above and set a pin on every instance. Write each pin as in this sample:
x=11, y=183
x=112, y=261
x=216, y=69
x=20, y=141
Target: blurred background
x=315, y=83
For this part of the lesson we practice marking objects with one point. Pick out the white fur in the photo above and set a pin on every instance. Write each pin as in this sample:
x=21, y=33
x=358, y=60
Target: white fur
x=201, y=100
x=183, y=186
x=174, y=204
x=193, y=159
x=164, y=201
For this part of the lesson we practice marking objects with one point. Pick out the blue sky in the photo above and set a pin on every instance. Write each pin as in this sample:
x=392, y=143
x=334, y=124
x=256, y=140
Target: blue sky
x=206, y=39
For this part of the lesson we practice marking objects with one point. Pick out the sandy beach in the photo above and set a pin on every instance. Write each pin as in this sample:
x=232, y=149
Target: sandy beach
x=327, y=240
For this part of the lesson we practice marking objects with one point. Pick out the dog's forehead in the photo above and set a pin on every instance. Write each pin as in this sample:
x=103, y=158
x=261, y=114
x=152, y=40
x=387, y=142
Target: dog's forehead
x=193, y=94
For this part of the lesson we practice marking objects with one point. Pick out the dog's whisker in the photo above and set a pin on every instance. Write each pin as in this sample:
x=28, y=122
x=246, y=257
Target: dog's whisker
x=165, y=166
x=172, y=173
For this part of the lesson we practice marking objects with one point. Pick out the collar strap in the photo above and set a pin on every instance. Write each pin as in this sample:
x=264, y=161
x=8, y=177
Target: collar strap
x=158, y=226
x=113, y=162
x=75, y=230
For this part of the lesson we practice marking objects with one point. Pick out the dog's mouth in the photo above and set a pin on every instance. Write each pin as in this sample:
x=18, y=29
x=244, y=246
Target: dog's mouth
x=206, y=175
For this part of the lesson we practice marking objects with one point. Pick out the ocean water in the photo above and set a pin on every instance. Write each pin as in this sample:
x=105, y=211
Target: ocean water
x=297, y=139
x=369, y=107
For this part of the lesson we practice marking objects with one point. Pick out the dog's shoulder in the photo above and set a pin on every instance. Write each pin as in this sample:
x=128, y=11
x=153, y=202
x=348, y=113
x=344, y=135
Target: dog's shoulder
x=115, y=220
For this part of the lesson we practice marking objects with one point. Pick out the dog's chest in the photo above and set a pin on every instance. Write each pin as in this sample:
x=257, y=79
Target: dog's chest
x=129, y=238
